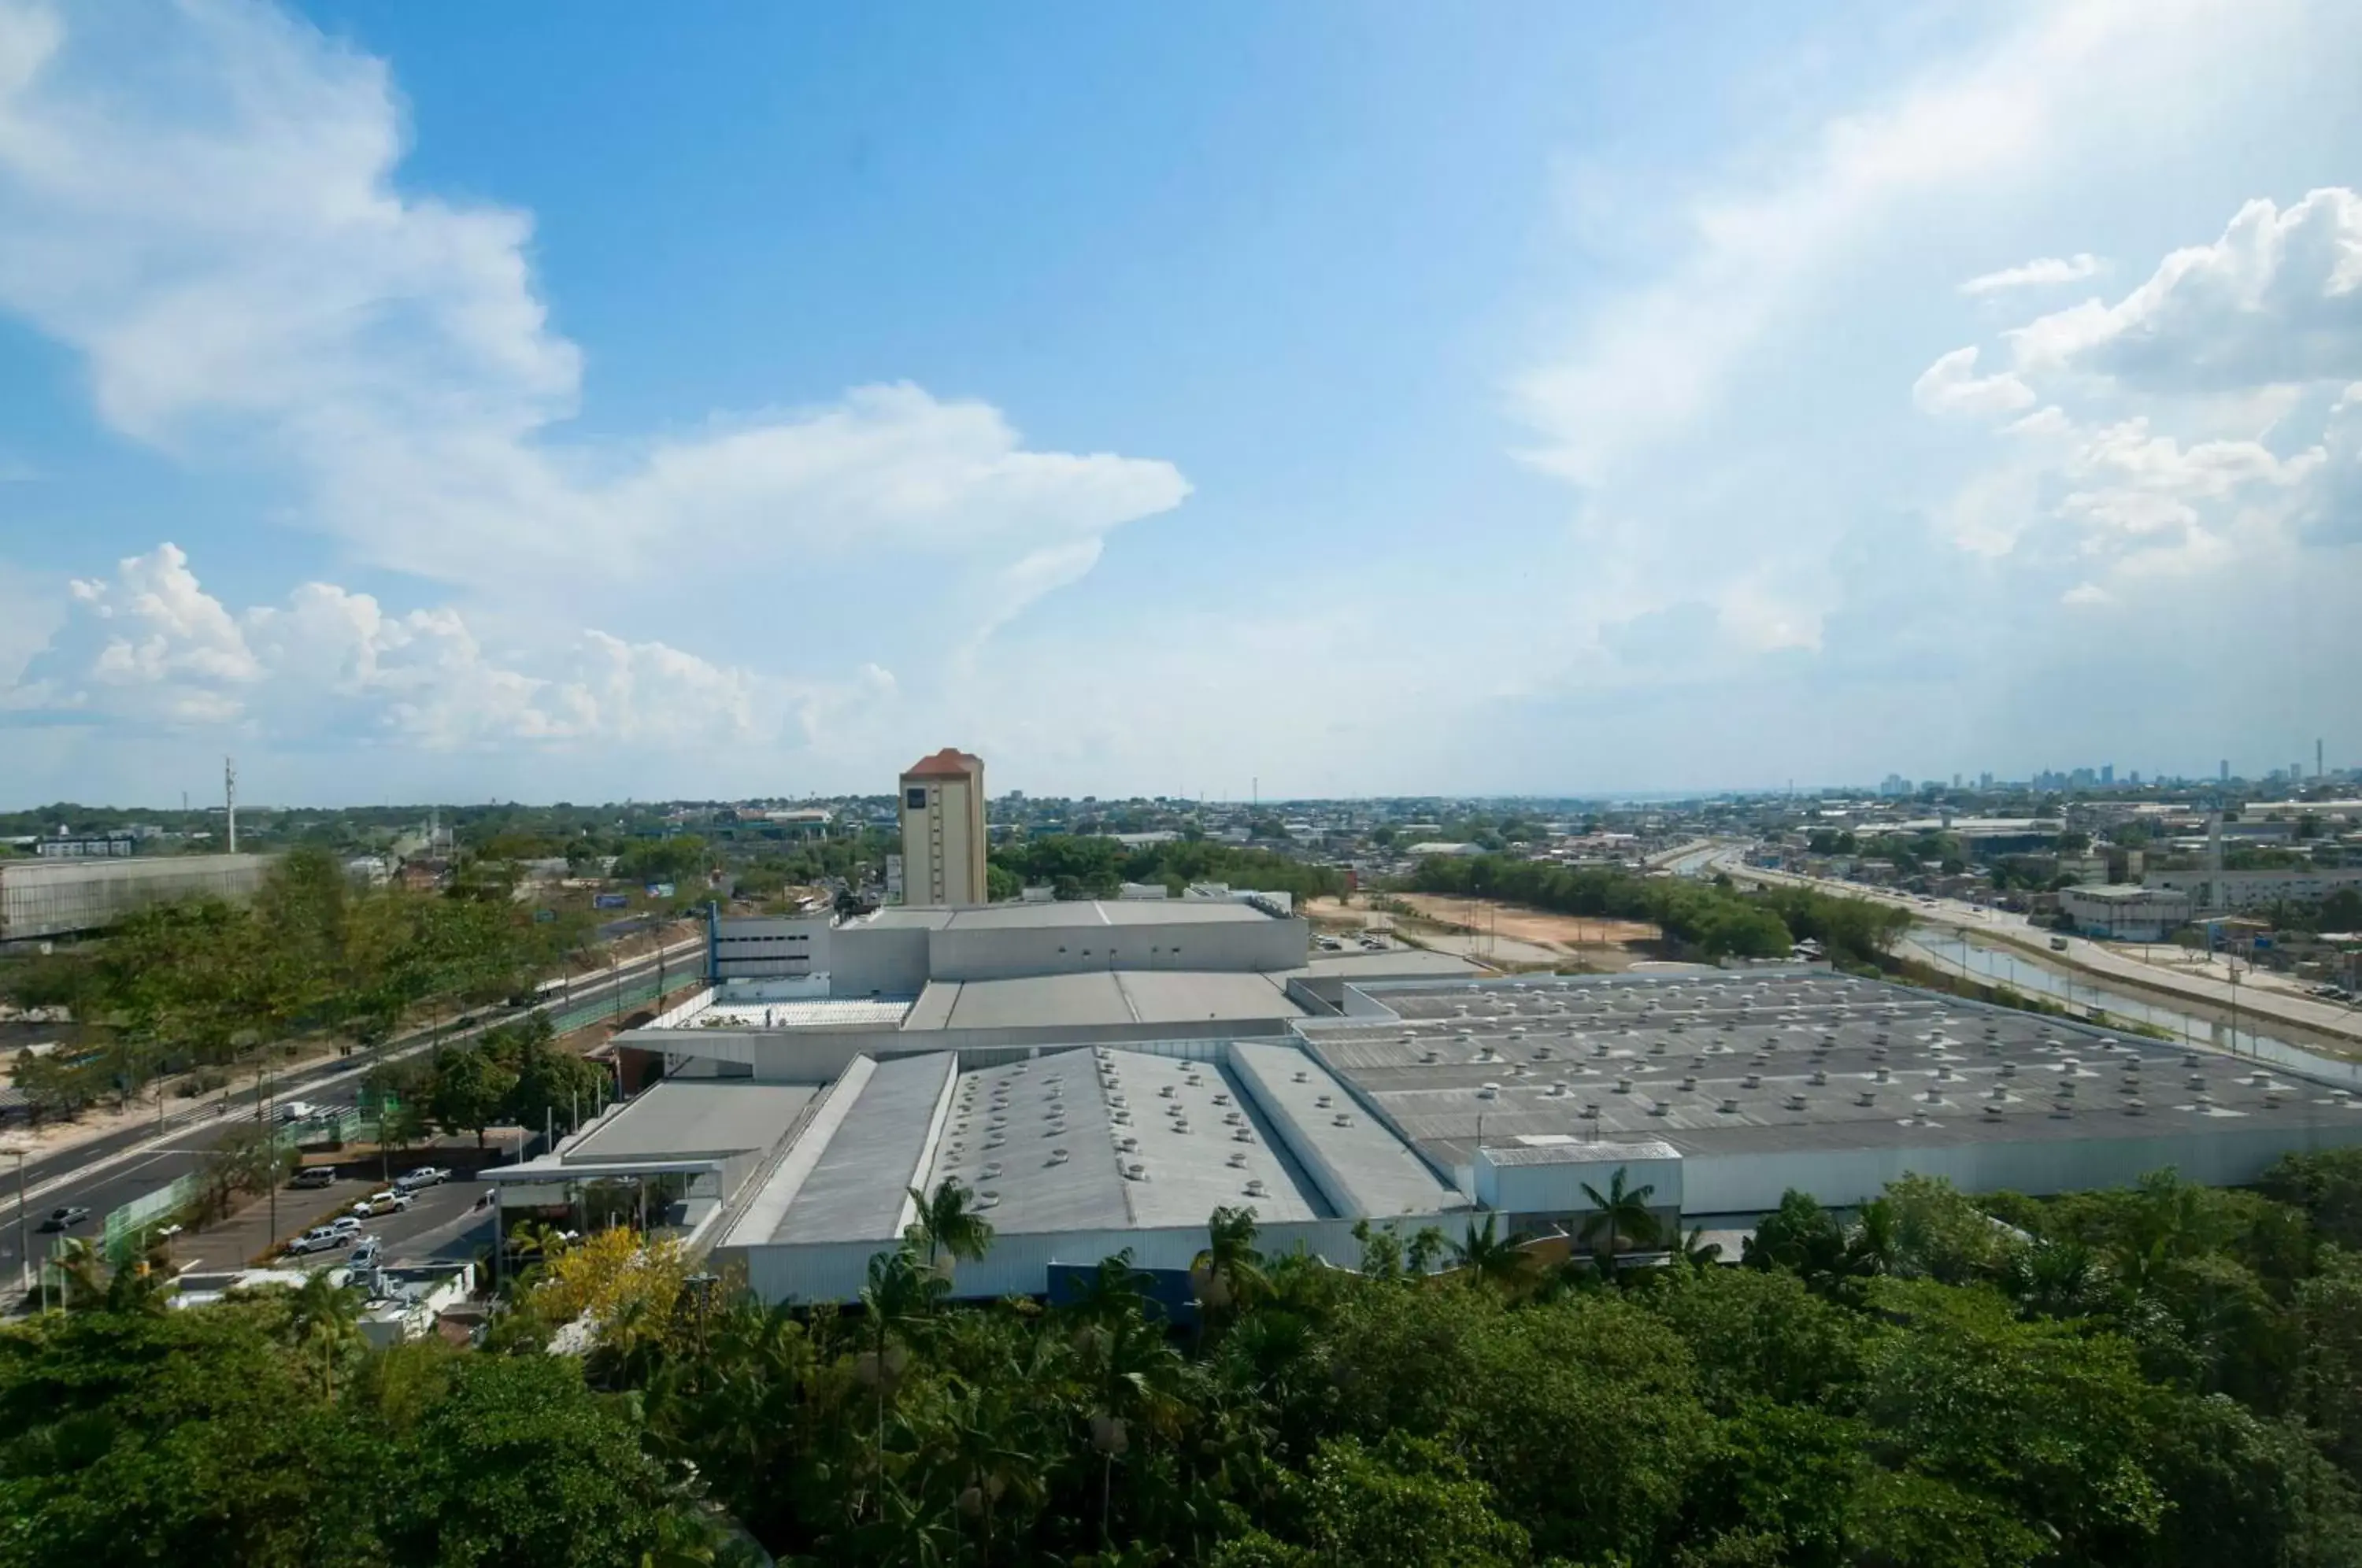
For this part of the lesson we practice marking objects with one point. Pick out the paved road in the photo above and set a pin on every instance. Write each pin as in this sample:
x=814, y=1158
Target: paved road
x=2325, y=1018
x=112, y=1170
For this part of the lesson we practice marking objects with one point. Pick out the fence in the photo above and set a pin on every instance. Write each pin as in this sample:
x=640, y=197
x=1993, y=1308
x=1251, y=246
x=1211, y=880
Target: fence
x=612, y=1006
x=127, y=1228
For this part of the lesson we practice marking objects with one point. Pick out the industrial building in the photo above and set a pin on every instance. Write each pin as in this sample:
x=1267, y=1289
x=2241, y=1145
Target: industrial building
x=40, y=899
x=2217, y=890
x=1409, y=1100
x=2126, y=912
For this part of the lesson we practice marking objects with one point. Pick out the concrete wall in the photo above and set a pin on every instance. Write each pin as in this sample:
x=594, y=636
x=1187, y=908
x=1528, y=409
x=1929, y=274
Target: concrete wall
x=879, y=960
x=988, y=953
x=1751, y=1184
x=766, y=946
x=1016, y=1266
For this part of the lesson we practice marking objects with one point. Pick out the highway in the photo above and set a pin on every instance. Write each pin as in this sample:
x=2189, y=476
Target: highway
x=2326, y=1019
x=109, y=1171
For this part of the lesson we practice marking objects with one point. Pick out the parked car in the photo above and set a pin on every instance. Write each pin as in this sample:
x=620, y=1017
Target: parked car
x=343, y=1225
x=65, y=1219
x=389, y=1201
x=423, y=1177
x=365, y=1253
x=319, y=1238
x=314, y=1176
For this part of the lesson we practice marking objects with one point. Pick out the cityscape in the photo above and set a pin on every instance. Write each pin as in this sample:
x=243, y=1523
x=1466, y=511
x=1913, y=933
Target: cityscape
x=1123, y=787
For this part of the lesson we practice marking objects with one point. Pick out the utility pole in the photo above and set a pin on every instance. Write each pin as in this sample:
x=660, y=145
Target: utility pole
x=229, y=798
x=24, y=1250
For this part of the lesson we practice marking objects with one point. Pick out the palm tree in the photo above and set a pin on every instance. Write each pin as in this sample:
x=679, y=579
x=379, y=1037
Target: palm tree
x=947, y=1228
x=1623, y=1215
x=1227, y=1271
x=1487, y=1256
x=77, y=1262
x=326, y=1315
x=1697, y=1251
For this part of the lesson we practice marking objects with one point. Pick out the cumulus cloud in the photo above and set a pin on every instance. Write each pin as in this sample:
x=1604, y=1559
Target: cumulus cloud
x=2043, y=271
x=1951, y=385
x=150, y=646
x=2276, y=300
x=2223, y=465
x=230, y=251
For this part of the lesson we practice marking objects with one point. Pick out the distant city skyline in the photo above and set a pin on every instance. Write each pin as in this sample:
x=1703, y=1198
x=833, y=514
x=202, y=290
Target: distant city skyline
x=1364, y=400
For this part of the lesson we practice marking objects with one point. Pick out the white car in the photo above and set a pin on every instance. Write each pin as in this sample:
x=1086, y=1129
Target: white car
x=423, y=1177
x=319, y=1238
x=389, y=1201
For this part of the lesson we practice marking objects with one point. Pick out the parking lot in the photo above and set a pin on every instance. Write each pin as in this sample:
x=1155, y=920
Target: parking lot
x=442, y=1221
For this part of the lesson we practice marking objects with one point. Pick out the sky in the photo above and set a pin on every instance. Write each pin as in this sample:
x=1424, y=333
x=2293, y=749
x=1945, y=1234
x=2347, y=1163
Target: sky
x=595, y=400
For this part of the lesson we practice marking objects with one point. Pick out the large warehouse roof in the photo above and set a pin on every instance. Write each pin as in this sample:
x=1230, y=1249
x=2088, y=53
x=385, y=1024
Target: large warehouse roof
x=1103, y=997
x=1737, y=1063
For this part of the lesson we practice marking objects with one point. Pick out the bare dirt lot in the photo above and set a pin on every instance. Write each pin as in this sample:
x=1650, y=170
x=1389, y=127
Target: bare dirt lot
x=1538, y=926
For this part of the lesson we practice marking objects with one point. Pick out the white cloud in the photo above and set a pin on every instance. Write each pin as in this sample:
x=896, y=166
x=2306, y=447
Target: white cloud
x=2043, y=271
x=151, y=646
x=1653, y=359
x=1951, y=385
x=2087, y=595
x=229, y=248
x=2277, y=301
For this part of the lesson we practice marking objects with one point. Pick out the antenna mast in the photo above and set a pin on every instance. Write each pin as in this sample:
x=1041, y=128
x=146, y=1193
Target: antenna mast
x=229, y=798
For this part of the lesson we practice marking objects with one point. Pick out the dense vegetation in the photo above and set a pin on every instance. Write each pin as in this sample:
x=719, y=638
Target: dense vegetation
x=208, y=984
x=1077, y=867
x=2164, y=1376
x=1712, y=918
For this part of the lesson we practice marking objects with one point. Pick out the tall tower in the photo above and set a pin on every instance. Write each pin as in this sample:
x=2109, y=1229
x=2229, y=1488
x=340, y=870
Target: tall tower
x=943, y=830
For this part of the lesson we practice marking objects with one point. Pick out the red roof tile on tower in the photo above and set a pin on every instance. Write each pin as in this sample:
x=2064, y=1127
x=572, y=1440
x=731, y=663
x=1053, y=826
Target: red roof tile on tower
x=949, y=762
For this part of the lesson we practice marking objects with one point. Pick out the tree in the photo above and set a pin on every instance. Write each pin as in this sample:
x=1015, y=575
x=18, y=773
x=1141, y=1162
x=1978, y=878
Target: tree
x=1493, y=1258
x=324, y=1321
x=1623, y=1218
x=948, y=1227
x=1408, y=1503
x=467, y=1090
x=1227, y=1271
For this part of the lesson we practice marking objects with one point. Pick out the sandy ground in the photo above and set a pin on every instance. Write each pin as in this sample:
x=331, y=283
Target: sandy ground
x=1538, y=926
x=1505, y=934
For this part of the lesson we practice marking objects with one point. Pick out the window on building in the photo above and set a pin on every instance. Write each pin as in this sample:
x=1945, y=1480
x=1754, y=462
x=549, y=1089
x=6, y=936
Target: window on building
x=916, y=800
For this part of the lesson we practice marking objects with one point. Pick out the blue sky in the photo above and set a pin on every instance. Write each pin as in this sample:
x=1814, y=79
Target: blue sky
x=588, y=401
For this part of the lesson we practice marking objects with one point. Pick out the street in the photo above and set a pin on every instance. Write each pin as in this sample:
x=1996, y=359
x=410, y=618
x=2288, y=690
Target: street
x=107, y=1171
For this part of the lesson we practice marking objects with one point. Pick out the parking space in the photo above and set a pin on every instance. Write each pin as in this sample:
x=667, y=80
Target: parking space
x=440, y=1221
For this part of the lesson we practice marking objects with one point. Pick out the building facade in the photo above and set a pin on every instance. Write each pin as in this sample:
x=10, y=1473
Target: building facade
x=2123, y=912
x=943, y=830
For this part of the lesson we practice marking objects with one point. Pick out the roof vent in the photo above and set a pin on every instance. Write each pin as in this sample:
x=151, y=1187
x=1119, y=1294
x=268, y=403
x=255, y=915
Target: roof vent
x=1658, y=1049
x=2135, y=1108
x=1341, y=1119
x=1302, y=1076
x=1430, y=1054
x=1542, y=1052
x=2205, y=1102
x=1255, y=1187
x=1689, y=1080
x=1880, y=1075
x=1135, y=1172
x=2009, y=1069
x=1865, y=1097
x=988, y=1200
x=1127, y=1143
x=1658, y=1107
x=1238, y=1160
x=990, y=1170
x=2192, y=1060
x=1752, y=1080
x=1591, y=1110
x=1996, y=1092
x=1242, y=1136
x=1558, y=1088
x=1795, y=1103
x=1221, y=1099
x=1730, y=1105
x=1057, y=1156
x=1488, y=1091
x=1820, y=1074
x=2272, y=1100
x=2065, y=1108
x=1992, y=1109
